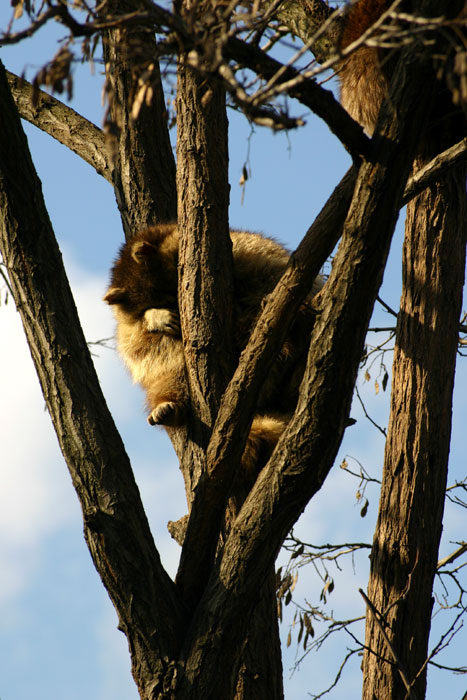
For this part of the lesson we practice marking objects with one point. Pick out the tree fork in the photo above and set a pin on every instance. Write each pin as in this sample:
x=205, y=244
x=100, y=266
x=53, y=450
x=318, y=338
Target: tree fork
x=307, y=449
x=206, y=316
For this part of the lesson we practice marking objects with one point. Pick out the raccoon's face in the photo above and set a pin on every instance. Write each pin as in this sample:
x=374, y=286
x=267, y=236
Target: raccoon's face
x=144, y=277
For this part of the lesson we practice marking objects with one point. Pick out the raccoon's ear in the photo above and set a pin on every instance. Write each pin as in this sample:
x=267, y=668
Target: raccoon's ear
x=140, y=250
x=114, y=295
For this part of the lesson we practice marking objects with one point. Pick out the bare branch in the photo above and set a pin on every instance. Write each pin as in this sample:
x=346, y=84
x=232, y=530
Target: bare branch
x=367, y=415
x=322, y=102
x=453, y=556
x=62, y=123
x=435, y=169
x=9, y=38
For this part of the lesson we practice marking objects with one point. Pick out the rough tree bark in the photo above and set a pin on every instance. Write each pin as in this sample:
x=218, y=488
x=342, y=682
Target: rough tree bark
x=138, y=138
x=405, y=548
x=406, y=540
x=203, y=205
x=206, y=317
x=62, y=122
x=288, y=481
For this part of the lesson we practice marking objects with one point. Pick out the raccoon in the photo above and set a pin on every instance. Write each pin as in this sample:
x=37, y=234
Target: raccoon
x=143, y=294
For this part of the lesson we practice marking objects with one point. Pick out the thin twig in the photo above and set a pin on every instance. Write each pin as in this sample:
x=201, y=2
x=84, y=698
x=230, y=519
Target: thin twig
x=397, y=661
x=367, y=415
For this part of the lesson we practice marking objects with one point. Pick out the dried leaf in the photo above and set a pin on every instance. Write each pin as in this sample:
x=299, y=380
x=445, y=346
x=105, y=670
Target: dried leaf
x=376, y=387
x=364, y=510
x=344, y=464
x=149, y=96
x=384, y=383
x=206, y=98
x=243, y=176
x=367, y=376
x=328, y=588
x=308, y=625
x=56, y=74
x=294, y=581
x=19, y=6
x=138, y=102
x=289, y=639
x=298, y=552
x=300, y=631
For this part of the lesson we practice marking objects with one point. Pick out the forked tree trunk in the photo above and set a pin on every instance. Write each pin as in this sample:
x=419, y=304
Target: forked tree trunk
x=203, y=198
x=409, y=525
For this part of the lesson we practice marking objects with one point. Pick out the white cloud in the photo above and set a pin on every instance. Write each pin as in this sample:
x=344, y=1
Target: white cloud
x=32, y=498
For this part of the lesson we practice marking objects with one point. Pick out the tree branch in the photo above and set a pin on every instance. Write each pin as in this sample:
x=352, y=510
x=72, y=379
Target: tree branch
x=306, y=91
x=144, y=173
x=84, y=138
x=62, y=123
x=305, y=18
x=232, y=423
x=435, y=169
x=322, y=102
x=316, y=98
x=235, y=413
x=115, y=525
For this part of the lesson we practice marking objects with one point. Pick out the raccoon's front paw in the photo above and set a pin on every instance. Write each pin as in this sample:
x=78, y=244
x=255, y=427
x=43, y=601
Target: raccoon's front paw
x=164, y=414
x=162, y=321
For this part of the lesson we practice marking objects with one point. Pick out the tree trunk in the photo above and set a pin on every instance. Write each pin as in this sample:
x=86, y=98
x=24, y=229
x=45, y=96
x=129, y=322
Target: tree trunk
x=260, y=670
x=206, y=313
x=409, y=525
x=205, y=299
x=136, y=127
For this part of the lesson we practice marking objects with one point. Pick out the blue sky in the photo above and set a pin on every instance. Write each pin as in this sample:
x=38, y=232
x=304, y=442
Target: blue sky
x=58, y=636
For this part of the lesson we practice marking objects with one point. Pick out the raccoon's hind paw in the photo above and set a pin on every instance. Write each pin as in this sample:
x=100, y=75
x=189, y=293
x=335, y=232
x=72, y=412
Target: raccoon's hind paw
x=164, y=414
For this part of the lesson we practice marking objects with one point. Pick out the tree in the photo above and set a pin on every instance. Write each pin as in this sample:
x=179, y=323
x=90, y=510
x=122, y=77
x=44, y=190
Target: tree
x=203, y=635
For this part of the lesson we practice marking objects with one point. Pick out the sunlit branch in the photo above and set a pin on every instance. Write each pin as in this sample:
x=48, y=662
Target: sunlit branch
x=61, y=122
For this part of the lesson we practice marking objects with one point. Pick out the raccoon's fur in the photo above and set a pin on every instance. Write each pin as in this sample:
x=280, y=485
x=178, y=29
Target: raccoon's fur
x=143, y=294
